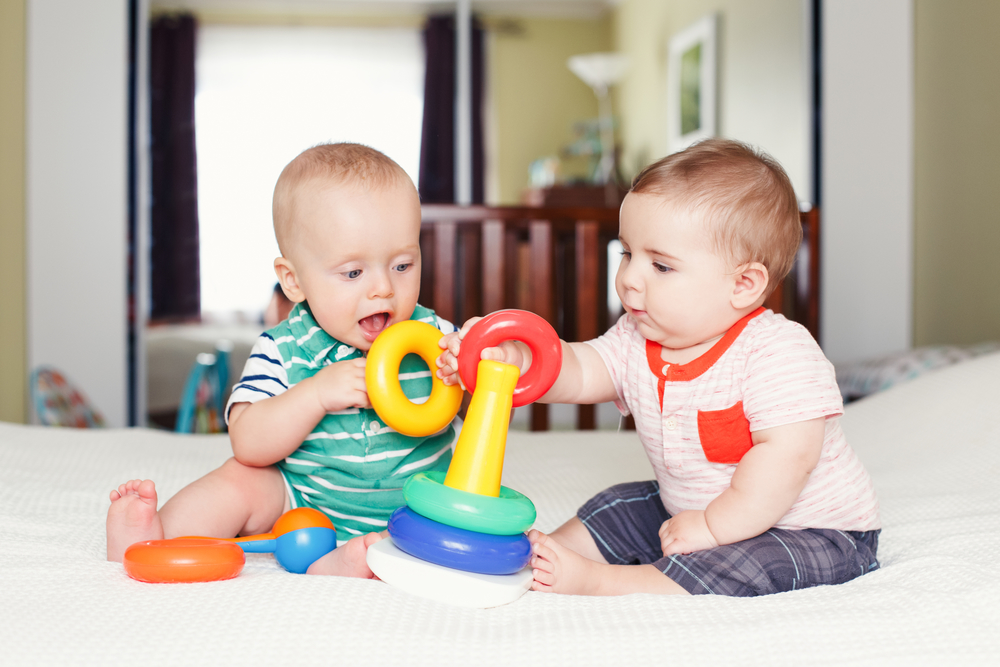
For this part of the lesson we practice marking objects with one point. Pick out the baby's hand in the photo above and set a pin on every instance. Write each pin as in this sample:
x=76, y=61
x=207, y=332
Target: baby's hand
x=447, y=361
x=686, y=532
x=508, y=352
x=341, y=385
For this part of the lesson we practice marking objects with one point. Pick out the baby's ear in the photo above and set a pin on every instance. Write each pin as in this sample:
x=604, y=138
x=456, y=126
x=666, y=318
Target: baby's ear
x=749, y=286
x=285, y=271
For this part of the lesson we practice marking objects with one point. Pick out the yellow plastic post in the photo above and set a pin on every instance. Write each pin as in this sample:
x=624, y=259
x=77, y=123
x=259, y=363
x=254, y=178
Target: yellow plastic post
x=477, y=464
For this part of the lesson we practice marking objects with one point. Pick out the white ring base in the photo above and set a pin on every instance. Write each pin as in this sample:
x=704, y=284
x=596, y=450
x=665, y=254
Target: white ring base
x=443, y=584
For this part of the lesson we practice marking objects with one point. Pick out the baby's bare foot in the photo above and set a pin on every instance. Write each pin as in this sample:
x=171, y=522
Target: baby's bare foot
x=558, y=569
x=132, y=517
x=347, y=560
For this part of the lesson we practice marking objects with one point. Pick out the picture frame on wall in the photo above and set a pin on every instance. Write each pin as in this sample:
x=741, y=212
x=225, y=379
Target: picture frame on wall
x=691, y=83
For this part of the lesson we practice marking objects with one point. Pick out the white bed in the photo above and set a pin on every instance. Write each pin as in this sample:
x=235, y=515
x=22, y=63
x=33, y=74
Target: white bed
x=933, y=447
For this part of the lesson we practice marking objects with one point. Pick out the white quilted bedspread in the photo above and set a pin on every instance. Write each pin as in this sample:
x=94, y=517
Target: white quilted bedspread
x=933, y=447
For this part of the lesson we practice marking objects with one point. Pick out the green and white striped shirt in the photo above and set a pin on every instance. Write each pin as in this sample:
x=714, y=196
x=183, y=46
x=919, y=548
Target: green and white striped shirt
x=352, y=466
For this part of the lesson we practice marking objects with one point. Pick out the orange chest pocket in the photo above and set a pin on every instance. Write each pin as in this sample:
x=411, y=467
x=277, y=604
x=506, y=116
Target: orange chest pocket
x=724, y=434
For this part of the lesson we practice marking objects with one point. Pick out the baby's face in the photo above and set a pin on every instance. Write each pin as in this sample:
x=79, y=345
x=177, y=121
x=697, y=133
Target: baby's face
x=670, y=280
x=356, y=255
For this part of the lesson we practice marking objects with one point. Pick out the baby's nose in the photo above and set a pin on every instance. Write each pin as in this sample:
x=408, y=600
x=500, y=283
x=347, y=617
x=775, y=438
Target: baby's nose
x=381, y=287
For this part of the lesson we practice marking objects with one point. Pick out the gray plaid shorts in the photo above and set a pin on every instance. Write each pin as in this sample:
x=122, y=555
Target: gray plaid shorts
x=625, y=519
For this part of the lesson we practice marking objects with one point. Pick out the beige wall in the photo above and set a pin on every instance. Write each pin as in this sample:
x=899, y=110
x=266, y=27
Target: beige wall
x=763, y=77
x=957, y=140
x=13, y=365
x=536, y=99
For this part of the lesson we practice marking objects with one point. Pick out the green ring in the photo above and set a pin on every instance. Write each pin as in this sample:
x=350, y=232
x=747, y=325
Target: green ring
x=509, y=514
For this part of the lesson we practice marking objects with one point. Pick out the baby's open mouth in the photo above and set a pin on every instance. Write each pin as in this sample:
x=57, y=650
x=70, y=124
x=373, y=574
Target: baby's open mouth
x=373, y=325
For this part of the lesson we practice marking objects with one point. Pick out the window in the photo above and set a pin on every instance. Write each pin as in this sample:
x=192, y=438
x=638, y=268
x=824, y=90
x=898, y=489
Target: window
x=264, y=94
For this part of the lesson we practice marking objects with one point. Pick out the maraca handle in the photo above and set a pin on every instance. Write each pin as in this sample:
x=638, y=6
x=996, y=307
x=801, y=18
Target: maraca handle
x=266, y=543
x=258, y=544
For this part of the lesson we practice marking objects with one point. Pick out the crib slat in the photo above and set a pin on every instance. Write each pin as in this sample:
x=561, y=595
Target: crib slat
x=587, y=272
x=526, y=257
x=444, y=270
x=541, y=249
x=470, y=289
x=540, y=239
x=494, y=269
x=512, y=254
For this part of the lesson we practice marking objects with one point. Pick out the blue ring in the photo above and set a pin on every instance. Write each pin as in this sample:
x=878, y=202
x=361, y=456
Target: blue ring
x=457, y=548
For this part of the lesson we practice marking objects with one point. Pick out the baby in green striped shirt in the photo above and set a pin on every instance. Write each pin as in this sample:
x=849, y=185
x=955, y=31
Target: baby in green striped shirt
x=347, y=222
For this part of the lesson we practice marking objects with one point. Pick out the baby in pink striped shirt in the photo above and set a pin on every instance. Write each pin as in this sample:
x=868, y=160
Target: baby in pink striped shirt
x=757, y=490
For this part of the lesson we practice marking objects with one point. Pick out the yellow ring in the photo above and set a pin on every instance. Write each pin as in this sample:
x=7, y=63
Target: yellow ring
x=382, y=379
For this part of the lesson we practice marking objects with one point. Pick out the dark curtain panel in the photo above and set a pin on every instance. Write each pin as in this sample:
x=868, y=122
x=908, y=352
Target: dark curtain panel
x=437, y=145
x=175, y=281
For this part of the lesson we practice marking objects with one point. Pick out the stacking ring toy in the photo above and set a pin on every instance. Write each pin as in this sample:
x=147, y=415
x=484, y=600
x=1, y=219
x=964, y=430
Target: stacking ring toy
x=183, y=560
x=530, y=329
x=382, y=379
x=511, y=513
x=456, y=548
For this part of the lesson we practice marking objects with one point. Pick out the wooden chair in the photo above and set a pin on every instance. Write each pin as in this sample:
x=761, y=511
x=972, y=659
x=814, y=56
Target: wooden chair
x=554, y=262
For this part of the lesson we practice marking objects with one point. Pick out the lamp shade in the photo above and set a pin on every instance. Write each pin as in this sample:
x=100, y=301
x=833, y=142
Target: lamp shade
x=599, y=70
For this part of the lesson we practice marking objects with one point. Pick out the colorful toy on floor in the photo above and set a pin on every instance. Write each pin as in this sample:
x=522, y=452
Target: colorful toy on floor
x=460, y=539
x=299, y=538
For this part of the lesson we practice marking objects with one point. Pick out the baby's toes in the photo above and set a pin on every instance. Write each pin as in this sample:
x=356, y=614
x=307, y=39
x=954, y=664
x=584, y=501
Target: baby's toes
x=543, y=551
x=544, y=578
x=540, y=564
x=145, y=487
x=541, y=587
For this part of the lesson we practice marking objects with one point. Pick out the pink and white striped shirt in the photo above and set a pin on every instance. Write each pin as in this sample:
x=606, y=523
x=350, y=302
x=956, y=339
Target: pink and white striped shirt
x=695, y=419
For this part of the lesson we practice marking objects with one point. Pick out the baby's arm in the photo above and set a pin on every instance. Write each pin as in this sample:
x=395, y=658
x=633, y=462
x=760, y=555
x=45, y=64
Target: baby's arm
x=267, y=431
x=583, y=378
x=766, y=483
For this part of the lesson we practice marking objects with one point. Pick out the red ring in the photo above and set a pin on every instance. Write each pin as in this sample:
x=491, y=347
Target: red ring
x=530, y=329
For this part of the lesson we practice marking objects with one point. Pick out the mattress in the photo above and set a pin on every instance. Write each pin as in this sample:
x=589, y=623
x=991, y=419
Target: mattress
x=932, y=446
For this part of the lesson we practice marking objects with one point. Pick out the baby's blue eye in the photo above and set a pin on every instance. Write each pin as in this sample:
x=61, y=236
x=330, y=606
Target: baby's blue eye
x=354, y=274
x=403, y=267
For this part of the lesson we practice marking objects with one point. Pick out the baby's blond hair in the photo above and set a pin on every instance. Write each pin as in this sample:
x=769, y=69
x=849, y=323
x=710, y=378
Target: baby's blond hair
x=746, y=197
x=333, y=164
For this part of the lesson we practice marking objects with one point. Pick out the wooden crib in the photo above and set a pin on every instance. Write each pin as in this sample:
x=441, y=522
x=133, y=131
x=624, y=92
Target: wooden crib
x=554, y=262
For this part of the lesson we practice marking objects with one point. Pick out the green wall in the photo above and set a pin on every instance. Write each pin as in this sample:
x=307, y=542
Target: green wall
x=13, y=354
x=957, y=140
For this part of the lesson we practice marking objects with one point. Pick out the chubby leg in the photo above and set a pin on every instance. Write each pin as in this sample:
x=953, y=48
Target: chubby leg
x=234, y=499
x=628, y=515
x=560, y=569
x=575, y=536
x=231, y=500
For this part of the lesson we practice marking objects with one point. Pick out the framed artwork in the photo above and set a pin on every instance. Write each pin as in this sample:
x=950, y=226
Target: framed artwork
x=691, y=84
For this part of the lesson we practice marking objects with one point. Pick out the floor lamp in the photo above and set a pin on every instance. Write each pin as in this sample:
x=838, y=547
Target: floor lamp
x=600, y=71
